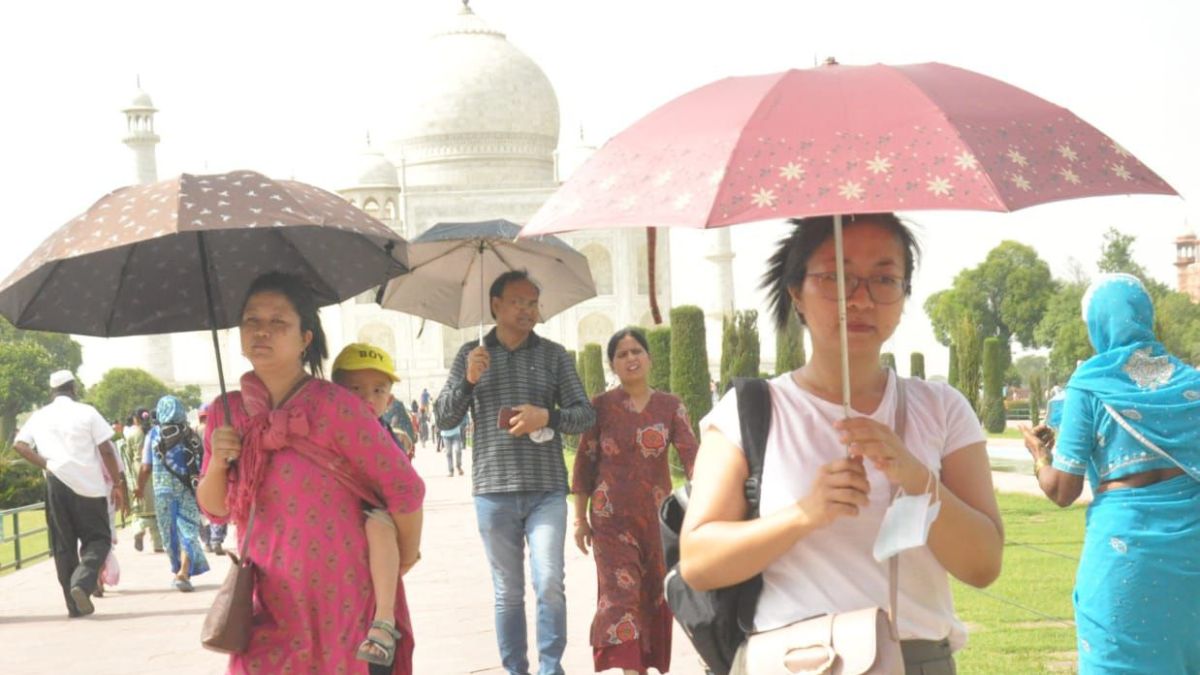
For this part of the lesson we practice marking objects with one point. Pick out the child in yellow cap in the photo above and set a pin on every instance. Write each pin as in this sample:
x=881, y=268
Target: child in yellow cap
x=368, y=371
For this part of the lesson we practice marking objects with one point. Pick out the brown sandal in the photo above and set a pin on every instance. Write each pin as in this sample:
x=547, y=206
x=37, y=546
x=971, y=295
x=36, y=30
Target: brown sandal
x=388, y=647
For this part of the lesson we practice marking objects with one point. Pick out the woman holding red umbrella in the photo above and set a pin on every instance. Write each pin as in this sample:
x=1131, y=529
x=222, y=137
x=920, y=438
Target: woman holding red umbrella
x=822, y=507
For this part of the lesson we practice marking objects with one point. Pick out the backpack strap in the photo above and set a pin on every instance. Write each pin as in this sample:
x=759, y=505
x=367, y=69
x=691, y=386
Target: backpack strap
x=754, y=418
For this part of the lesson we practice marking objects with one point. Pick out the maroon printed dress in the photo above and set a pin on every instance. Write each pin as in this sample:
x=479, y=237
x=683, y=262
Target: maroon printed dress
x=623, y=465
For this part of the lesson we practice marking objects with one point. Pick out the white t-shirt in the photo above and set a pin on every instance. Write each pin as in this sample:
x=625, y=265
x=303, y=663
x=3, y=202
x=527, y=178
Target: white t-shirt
x=832, y=569
x=66, y=433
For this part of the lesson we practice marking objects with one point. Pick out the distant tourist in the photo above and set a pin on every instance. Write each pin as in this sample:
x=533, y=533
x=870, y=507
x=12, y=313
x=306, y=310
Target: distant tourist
x=72, y=443
x=523, y=393
x=1130, y=422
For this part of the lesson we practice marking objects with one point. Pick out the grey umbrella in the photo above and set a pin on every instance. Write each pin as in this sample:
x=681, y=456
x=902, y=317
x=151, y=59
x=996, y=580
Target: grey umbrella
x=452, y=265
x=180, y=254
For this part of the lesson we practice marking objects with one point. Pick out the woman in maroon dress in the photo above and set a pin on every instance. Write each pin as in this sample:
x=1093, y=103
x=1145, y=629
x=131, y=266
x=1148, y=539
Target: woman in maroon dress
x=622, y=468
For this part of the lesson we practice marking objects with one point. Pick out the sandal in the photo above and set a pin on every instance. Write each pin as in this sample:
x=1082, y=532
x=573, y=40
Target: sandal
x=366, y=650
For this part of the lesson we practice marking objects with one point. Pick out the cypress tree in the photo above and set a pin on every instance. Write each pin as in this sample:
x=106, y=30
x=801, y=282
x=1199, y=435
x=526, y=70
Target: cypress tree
x=952, y=375
x=689, y=361
x=1035, y=399
x=888, y=360
x=746, y=360
x=967, y=342
x=916, y=365
x=789, y=347
x=993, y=393
x=593, y=369
x=659, y=339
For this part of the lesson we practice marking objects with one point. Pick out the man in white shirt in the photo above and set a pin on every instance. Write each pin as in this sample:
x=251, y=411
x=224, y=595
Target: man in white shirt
x=71, y=442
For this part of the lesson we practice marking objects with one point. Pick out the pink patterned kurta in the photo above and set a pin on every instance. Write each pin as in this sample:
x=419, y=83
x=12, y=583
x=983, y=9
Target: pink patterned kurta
x=313, y=594
x=623, y=465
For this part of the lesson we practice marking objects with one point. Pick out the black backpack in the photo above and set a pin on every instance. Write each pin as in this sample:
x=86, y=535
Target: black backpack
x=718, y=621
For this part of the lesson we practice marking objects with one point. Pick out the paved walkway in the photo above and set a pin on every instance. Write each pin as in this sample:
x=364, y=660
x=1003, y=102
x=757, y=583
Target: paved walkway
x=144, y=626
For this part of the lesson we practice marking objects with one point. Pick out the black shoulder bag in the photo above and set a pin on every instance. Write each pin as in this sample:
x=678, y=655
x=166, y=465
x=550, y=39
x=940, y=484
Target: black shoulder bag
x=718, y=621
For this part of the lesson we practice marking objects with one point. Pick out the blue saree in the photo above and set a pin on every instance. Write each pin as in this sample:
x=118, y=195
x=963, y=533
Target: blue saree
x=1137, y=590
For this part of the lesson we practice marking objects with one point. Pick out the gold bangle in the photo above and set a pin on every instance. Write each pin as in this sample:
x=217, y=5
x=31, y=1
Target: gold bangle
x=1039, y=464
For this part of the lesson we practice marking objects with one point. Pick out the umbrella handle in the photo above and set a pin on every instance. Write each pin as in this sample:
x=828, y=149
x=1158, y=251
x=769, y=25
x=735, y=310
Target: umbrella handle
x=843, y=333
x=212, y=324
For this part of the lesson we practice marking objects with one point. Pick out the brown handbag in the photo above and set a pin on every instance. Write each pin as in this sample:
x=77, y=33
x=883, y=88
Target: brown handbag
x=227, y=626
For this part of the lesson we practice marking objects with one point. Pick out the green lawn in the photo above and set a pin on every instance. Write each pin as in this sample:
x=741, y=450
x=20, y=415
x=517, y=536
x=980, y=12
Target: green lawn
x=1023, y=622
x=1009, y=432
x=33, y=544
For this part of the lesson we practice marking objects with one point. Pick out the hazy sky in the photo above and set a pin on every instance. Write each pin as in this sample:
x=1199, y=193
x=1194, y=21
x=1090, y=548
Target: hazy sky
x=292, y=88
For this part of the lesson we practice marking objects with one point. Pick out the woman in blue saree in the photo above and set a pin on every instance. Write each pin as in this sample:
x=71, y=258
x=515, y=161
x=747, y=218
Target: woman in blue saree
x=1130, y=422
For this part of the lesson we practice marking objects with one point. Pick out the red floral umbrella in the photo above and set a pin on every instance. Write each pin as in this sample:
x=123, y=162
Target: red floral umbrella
x=842, y=139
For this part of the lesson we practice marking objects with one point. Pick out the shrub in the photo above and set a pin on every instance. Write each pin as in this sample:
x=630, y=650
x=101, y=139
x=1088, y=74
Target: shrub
x=888, y=360
x=593, y=369
x=659, y=339
x=689, y=361
x=916, y=365
x=993, y=383
x=789, y=347
x=1035, y=399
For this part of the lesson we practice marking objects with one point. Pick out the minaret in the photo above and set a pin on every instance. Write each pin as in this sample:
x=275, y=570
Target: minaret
x=1187, y=247
x=140, y=137
x=720, y=254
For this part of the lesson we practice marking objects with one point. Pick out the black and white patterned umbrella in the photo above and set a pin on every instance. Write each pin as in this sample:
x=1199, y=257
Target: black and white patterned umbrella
x=180, y=254
x=454, y=264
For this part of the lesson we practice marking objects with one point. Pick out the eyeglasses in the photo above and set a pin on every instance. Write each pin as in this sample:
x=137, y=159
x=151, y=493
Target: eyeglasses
x=883, y=289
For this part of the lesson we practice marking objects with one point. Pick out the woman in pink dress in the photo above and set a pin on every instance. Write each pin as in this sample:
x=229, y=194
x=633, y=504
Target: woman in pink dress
x=623, y=469
x=308, y=455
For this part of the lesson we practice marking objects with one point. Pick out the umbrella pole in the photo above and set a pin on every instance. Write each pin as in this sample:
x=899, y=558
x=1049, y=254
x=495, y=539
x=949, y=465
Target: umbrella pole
x=212, y=325
x=482, y=292
x=844, y=338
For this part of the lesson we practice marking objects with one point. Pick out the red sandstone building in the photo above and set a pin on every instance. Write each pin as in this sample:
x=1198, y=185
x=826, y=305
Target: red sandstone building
x=1187, y=246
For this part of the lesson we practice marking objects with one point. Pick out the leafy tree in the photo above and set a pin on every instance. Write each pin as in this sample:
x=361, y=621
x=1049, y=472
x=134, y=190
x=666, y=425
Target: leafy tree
x=123, y=390
x=1005, y=296
x=26, y=360
x=1116, y=254
x=1177, y=323
x=593, y=369
x=189, y=396
x=888, y=360
x=789, y=347
x=967, y=344
x=1063, y=329
x=1028, y=365
x=689, y=361
x=916, y=365
x=25, y=368
x=993, y=393
x=659, y=339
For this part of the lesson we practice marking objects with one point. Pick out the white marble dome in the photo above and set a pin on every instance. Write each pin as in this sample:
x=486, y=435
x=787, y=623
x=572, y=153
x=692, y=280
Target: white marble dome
x=480, y=111
x=140, y=101
x=372, y=169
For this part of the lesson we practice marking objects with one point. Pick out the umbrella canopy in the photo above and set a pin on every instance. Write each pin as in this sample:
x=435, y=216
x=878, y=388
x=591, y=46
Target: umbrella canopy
x=842, y=139
x=452, y=266
x=133, y=263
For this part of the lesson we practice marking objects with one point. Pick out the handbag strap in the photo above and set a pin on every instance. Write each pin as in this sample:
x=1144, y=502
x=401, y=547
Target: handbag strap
x=1147, y=442
x=901, y=425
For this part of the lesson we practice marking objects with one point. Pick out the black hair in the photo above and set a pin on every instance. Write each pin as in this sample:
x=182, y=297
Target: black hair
x=630, y=331
x=129, y=421
x=304, y=302
x=66, y=389
x=788, y=266
x=504, y=280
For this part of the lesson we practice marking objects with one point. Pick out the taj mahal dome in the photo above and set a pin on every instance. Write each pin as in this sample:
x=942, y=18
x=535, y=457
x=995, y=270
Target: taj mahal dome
x=478, y=139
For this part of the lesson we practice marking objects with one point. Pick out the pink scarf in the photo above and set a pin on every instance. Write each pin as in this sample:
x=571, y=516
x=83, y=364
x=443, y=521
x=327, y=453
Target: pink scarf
x=265, y=431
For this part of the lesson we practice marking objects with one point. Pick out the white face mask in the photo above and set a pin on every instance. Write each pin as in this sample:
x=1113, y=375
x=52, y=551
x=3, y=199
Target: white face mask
x=906, y=523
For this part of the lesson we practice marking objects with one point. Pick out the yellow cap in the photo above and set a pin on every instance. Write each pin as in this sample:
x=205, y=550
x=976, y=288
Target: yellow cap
x=362, y=356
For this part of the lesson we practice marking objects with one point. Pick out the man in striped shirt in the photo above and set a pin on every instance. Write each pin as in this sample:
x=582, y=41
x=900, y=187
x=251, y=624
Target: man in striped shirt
x=523, y=393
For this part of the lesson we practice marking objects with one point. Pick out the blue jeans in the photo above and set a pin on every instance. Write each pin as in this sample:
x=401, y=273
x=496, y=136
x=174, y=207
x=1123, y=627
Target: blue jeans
x=506, y=520
x=454, y=448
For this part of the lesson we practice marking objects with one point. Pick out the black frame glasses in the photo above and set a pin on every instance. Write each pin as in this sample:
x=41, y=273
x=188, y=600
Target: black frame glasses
x=884, y=289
